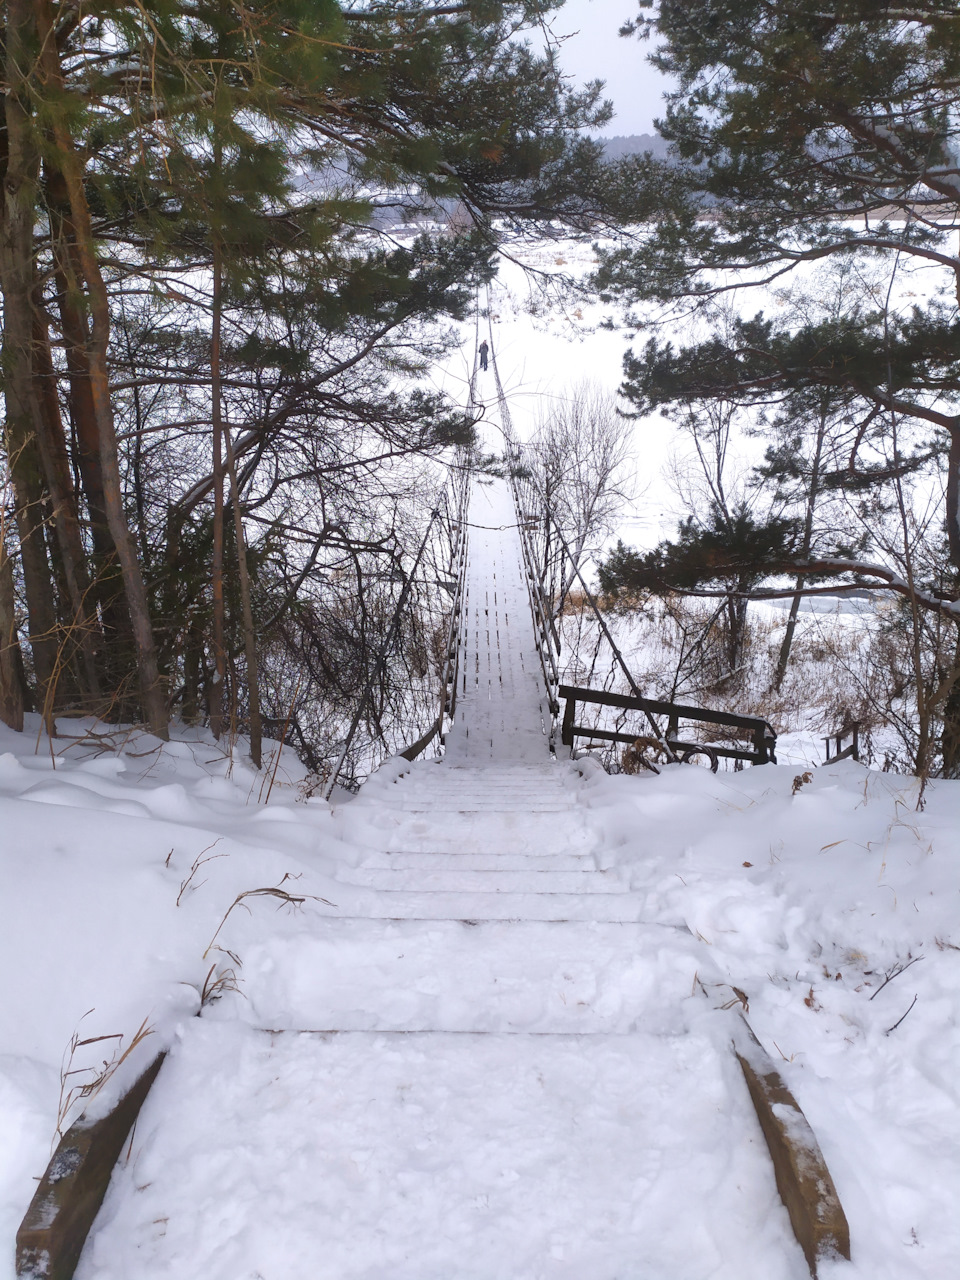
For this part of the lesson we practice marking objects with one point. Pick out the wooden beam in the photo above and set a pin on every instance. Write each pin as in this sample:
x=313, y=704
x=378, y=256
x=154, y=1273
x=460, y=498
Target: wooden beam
x=65, y=1204
x=567, y=728
x=608, y=735
x=421, y=744
x=663, y=708
x=803, y=1178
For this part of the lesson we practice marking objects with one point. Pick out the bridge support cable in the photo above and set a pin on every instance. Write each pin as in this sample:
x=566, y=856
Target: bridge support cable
x=547, y=640
x=450, y=676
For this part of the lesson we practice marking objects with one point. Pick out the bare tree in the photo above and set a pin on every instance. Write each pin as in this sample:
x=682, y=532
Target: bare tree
x=580, y=458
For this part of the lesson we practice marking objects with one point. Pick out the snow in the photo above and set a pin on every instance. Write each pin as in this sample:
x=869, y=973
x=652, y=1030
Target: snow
x=473, y=1156
x=492, y=1034
x=502, y=712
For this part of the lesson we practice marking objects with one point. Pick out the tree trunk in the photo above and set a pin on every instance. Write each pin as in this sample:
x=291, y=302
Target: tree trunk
x=813, y=493
x=216, y=567
x=787, y=645
x=249, y=635
x=107, y=581
x=953, y=496
x=82, y=624
x=950, y=740
x=11, y=661
x=68, y=163
x=192, y=673
x=16, y=275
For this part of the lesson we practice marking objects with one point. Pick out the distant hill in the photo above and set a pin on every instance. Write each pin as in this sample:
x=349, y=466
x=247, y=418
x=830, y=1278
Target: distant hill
x=634, y=144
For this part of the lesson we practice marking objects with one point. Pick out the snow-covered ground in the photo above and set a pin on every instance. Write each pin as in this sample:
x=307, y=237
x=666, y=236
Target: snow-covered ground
x=630, y=1154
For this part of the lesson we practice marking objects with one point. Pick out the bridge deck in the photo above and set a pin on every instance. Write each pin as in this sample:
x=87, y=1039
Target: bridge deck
x=502, y=711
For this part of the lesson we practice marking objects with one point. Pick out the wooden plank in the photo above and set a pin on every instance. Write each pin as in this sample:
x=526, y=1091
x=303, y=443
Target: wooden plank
x=608, y=735
x=663, y=708
x=567, y=728
x=421, y=744
x=63, y=1209
x=803, y=1179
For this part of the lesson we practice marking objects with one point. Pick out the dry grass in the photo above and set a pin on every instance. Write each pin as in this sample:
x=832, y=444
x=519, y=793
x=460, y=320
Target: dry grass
x=96, y=1077
x=198, y=862
x=275, y=891
x=218, y=982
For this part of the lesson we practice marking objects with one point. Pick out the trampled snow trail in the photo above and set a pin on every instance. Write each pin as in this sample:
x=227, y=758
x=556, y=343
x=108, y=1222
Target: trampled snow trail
x=483, y=1063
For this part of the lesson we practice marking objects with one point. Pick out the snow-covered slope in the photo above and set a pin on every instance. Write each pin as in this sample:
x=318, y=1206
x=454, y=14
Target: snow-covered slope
x=803, y=902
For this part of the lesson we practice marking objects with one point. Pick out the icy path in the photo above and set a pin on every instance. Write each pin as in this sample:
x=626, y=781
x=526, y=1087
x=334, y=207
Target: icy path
x=481, y=1063
x=501, y=703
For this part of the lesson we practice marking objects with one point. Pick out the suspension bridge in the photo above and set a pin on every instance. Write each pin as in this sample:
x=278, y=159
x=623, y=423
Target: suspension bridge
x=484, y=1074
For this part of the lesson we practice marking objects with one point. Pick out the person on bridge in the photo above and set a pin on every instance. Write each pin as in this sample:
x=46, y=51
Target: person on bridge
x=484, y=351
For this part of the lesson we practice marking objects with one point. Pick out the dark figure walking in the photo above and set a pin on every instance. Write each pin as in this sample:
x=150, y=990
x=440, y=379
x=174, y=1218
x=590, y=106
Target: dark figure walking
x=484, y=351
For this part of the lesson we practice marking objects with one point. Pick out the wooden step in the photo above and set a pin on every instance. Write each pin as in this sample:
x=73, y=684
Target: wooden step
x=456, y=880
x=486, y=860
x=602, y=908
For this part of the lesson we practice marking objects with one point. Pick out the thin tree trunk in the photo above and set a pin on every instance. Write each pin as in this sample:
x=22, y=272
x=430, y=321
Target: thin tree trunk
x=950, y=739
x=813, y=494
x=66, y=519
x=953, y=496
x=216, y=567
x=192, y=668
x=68, y=162
x=784, y=656
x=11, y=661
x=76, y=338
x=249, y=635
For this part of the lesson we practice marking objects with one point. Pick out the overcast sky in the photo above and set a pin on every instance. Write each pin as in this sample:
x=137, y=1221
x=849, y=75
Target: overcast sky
x=598, y=53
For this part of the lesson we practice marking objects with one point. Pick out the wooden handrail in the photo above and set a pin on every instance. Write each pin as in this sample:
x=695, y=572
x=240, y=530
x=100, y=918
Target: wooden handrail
x=664, y=708
x=763, y=735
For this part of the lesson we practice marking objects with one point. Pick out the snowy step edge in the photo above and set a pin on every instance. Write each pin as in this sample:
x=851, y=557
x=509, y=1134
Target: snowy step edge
x=469, y=805
x=578, y=1025
x=487, y=860
x=478, y=842
x=594, y=908
x=527, y=795
x=456, y=880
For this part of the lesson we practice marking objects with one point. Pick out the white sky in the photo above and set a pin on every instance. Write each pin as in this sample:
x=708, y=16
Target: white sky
x=596, y=52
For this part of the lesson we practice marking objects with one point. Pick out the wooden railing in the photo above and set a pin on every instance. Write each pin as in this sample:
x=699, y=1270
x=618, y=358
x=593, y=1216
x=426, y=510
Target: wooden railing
x=762, y=734
x=840, y=752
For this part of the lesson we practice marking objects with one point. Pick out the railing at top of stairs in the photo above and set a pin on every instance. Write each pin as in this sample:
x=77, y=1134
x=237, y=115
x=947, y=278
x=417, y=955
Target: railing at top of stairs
x=543, y=612
x=533, y=512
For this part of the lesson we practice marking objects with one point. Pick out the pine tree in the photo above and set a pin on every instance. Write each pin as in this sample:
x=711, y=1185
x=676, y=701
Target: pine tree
x=805, y=133
x=169, y=152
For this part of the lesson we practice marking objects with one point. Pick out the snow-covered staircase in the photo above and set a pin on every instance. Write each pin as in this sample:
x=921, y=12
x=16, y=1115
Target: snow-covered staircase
x=481, y=1062
x=455, y=843
x=478, y=836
